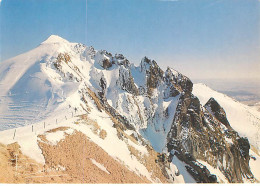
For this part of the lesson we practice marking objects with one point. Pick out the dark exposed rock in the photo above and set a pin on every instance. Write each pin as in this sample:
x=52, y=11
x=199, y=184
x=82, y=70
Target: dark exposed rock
x=217, y=111
x=90, y=51
x=126, y=81
x=103, y=105
x=121, y=60
x=153, y=72
x=106, y=64
x=120, y=56
x=106, y=53
x=62, y=57
x=180, y=82
x=196, y=133
x=244, y=147
x=212, y=178
x=103, y=84
x=104, y=59
x=200, y=134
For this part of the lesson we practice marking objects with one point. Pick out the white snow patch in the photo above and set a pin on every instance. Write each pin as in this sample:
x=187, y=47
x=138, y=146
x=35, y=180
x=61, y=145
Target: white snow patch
x=178, y=178
x=26, y=139
x=220, y=176
x=100, y=166
x=157, y=131
x=184, y=174
x=138, y=147
x=229, y=140
x=55, y=137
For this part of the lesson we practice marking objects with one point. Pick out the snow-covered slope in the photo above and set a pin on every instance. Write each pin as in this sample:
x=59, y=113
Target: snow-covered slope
x=242, y=118
x=146, y=119
x=29, y=87
x=28, y=138
x=48, y=86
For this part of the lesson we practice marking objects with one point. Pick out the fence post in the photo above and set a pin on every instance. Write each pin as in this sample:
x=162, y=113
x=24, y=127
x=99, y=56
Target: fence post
x=14, y=133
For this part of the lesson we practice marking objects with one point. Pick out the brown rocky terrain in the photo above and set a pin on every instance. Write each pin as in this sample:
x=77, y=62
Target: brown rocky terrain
x=25, y=170
x=75, y=152
x=71, y=160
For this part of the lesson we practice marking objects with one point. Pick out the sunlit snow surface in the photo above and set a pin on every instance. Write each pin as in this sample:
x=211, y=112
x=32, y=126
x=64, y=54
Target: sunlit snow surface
x=55, y=137
x=33, y=92
x=116, y=148
x=42, y=96
x=157, y=133
x=29, y=88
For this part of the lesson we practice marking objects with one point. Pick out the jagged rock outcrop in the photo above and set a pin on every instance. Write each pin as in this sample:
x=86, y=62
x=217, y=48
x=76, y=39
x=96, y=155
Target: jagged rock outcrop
x=126, y=81
x=217, y=111
x=204, y=134
x=154, y=74
x=176, y=80
x=155, y=110
x=121, y=60
x=195, y=133
x=160, y=106
x=104, y=59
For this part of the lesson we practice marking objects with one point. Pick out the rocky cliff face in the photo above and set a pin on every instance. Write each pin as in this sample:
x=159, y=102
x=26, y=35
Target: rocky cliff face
x=151, y=114
x=217, y=111
x=157, y=107
x=197, y=133
x=192, y=132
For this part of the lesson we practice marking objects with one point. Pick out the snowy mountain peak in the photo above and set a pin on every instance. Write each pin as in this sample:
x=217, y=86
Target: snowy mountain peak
x=134, y=106
x=55, y=39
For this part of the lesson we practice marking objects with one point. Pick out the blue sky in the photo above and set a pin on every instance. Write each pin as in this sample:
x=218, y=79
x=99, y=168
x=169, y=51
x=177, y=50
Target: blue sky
x=26, y=23
x=200, y=38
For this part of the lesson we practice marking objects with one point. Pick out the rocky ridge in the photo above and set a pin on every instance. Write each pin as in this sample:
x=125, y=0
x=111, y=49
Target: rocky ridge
x=155, y=107
x=193, y=132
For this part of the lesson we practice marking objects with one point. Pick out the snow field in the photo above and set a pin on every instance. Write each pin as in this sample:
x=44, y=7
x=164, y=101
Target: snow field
x=49, y=98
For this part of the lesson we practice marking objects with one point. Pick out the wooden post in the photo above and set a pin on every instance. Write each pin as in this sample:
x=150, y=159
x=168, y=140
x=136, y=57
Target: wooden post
x=32, y=128
x=14, y=133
